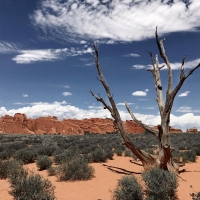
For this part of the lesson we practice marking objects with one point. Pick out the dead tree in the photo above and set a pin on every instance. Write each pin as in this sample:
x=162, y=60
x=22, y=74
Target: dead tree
x=164, y=158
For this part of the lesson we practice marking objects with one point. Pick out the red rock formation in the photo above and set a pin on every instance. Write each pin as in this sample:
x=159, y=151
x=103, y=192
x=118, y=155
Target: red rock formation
x=50, y=125
x=131, y=127
x=192, y=130
x=171, y=129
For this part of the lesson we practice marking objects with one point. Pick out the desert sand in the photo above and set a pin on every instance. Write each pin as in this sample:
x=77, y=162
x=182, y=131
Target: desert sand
x=105, y=181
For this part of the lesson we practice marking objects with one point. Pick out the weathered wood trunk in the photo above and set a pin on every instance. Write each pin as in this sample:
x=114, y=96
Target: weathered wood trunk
x=164, y=158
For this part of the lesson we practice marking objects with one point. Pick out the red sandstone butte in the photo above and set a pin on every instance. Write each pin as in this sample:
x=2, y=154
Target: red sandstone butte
x=50, y=125
x=192, y=130
x=171, y=129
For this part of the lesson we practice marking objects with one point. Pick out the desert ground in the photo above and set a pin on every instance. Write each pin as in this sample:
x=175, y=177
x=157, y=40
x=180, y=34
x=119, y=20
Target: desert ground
x=104, y=182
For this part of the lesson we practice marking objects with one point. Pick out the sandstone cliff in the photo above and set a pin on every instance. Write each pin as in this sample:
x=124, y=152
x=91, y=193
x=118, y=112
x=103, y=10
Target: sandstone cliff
x=50, y=125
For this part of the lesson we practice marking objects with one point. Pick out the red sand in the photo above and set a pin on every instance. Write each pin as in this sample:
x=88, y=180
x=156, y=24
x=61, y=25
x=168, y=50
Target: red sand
x=104, y=182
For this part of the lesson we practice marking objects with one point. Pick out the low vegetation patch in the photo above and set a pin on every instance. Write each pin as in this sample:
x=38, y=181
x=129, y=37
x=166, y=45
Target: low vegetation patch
x=44, y=162
x=74, y=170
x=128, y=188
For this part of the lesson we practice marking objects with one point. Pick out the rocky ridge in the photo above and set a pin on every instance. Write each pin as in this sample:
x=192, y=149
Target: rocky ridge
x=51, y=125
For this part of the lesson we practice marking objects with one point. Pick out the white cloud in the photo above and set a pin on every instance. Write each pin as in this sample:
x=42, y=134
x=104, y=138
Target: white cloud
x=83, y=42
x=90, y=64
x=140, y=93
x=110, y=42
x=30, y=56
x=64, y=110
x=149, y=108
x=131, y=55
x=95, y=107
x=187, y=109
x=117, y=20
x=66, y=86
x=123, y=104
x=66, y=94
x=25, y=95
x=184, y=94
x=174, y=66
x=8, y=47
x=138, y=66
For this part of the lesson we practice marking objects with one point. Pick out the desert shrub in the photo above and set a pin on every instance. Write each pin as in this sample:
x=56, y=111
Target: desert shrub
x=31, y=186
x=18, y=145
x=60, y=158
x=26, y=156
x=87, y=157
x=188, y=156
x=51, y=171
x=46, y=150
x=48, y=141
x=128, y=188
x=65, y=157
x=109, y=153
x=76, y=169
x=160, y=184
x=98, y=155
x=9, y=167
x=58, y=151
x=118, y=151
x=127, y=153
x=43, y=162
x=3, y=169
x=196, y=150
x=6, y=154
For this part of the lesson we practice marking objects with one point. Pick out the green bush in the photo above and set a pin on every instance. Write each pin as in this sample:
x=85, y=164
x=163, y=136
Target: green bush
x=26, y=156
x=76, y=169
x=32, y=186
x=8, y=167
x=65, y=157
x=43, y=162
x=46, y=150
x=99, y=155
x=109, y=153
x=188, y=156
x=118, y=151
x=128, y=188
x=160, y=184
x=127, y=153
x=51, y=171
x=6, y=154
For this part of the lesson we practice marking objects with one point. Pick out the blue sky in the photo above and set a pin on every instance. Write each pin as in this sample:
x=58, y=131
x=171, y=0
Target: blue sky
x=46, y=65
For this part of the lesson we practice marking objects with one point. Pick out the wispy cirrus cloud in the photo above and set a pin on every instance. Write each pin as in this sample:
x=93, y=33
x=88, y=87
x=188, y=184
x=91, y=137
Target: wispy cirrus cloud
x=66, y=86
x=118, y=20
x=123, y=104
x=131, y=55
x=187, y=109
x=174, y=66
x=8, y=47
x=30, y=56
x=25, y=95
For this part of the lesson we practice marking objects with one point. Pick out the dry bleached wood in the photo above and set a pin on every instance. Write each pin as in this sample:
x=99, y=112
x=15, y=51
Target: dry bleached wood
x=163, y=159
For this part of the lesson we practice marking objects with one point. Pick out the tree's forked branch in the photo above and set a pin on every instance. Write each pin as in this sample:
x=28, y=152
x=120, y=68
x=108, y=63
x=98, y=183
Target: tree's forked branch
x=164, y=57
x=146, y=127
x=182, y=68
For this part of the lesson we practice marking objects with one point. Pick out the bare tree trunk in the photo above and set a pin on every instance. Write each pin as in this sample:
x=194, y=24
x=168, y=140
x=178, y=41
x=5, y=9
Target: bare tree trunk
x=164, y=158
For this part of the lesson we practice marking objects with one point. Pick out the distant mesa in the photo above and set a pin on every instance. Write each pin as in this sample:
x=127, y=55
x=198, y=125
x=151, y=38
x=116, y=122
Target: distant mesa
x=192, y=130
x=20, y=124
